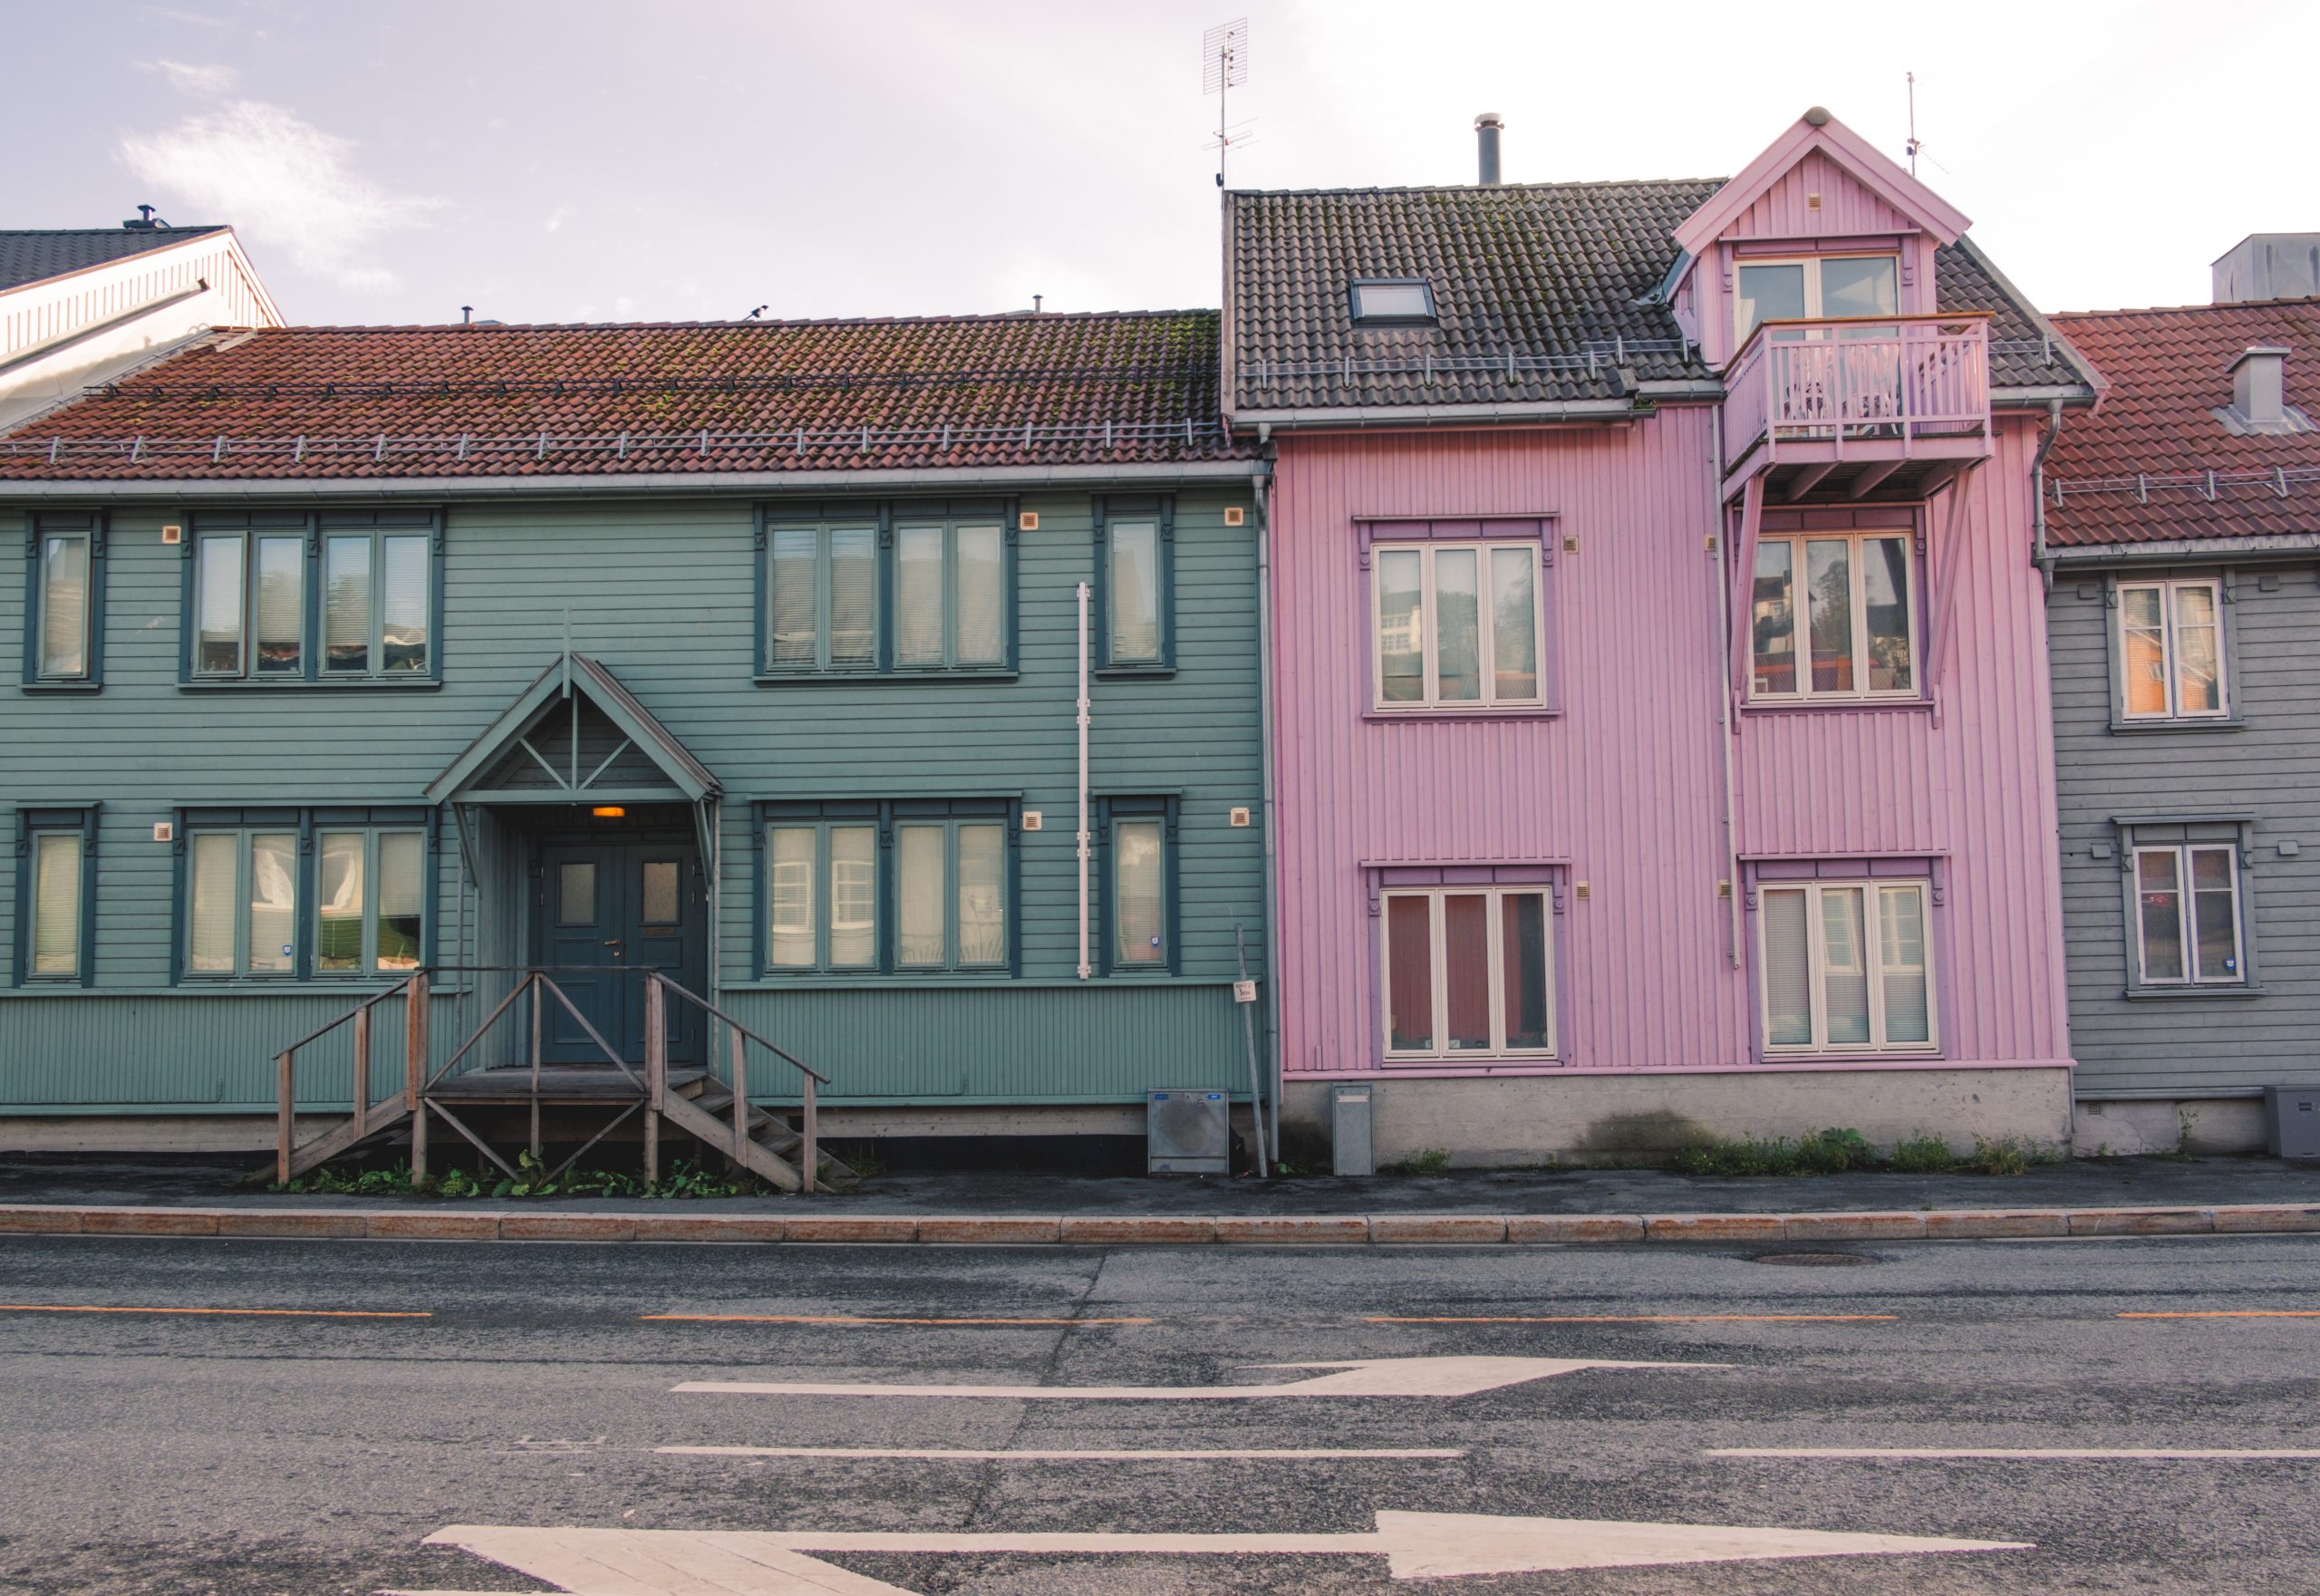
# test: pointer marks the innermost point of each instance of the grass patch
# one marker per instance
(1426, 1161)
(682, 1179)
(2010, 1155)
(1816, 1152)
(1922, 1155)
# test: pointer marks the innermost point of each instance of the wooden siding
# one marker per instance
(1627, 785)
(1784, 211)
(2268, 766)
(662, 591)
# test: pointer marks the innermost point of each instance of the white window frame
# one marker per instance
(2167, 588)
(1442, 1053)
(2186, 917)
(1801, 617)
(1812, 265)
(1873, 960)
(1433, 703)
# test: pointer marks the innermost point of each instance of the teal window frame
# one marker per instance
(1111, 513)
(314, 531)
(1110, 811)
(78, 822)
(89, 527)
(307, 825)
(367, 966)
(891, 518)
(889, 817)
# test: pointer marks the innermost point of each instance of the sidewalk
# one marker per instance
(2086, 1197)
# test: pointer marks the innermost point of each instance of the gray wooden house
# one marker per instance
(751, 654)
(2180, 525)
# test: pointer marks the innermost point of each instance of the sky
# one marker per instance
(684, 160)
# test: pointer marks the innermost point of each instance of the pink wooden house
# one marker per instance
(1660, 719)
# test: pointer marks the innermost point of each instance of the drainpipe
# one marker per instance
(1262, 483)
(2038, 555)
(1084, 969)
(1724, 667)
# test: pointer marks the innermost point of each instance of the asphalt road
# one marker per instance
(233, 1452)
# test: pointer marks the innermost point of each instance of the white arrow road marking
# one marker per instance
(1375, 1376)
(1415, 1545)
(1027, 1455)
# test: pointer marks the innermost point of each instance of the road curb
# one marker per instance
(1161, 1230)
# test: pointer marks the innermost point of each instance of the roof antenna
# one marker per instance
(1914, 145)
(1224, 66)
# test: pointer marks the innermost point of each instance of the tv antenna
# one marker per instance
(1914, 145)
(1224, 66)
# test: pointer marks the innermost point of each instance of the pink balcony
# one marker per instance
(1872, 408)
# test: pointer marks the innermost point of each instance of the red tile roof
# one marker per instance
(2136, 470)
(304, 402)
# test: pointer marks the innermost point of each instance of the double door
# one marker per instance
(604, 913)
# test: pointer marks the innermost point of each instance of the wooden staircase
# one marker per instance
(718, 1114)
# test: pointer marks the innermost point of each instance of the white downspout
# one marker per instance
(1724, 580)
(1084, 969)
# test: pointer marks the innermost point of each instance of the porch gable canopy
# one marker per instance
(575, 735)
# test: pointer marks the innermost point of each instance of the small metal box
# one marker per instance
(2292, 1114)
(1187, 1133)
(1349, 1146)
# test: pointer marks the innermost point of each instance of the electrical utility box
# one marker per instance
(1349, 1146)
(2293, 1113)
(1188, 1132)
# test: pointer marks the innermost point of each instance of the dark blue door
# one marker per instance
(606, 912)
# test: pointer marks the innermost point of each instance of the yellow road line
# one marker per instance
(2234, 1313)
(1634, 1319)
(246, 1312)
(843, 1319)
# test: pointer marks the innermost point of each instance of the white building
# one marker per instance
(81, 306)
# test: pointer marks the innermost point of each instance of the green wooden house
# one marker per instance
(751, 655)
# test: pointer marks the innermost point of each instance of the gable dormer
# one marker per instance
(1821, 224)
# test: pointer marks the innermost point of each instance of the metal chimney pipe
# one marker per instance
(1487, 128)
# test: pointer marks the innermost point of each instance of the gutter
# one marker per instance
(1418, 415)
(2284, 546)
(2039, 556)
(611, 485)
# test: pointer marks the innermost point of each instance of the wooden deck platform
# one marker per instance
(584, 1084)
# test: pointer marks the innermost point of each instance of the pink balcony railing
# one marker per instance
(1874, 386)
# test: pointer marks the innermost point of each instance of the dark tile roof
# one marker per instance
(705, 397)
(1562, 277)
(30, 256)
(2135, 471)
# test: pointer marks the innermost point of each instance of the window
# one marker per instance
(1393, 302)
(892, 589)
(2171, 650)
(1135, 582)
(55, 896)
(1859, 632)
(1457, 625)
(1815, 288)
(369, 889)
(294, 893)
(1846, 967)
(2188, 927)
(908, 885)
(343, 597)
(1136, 909)
(1469, 973)
(65, 602)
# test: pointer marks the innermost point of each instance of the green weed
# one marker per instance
(1426, 1161)
(1816, 1152)
(1922, 1155)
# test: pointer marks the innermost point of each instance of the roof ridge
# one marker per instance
(892, 321)
(111, 231)
(1476, 188)
(2170, 310)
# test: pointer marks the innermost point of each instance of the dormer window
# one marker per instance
(1820, 287)
(1393, 302)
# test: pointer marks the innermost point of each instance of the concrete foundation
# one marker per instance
(2122, 1129)
(1514, 1122)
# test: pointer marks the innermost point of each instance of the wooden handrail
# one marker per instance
(1757, 334)
(710, 1008)
(369, 1002)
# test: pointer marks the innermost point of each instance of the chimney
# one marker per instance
(2258, 388)
(2268, 265)
(1487, 128)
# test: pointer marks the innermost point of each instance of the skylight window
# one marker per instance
(1393, 302)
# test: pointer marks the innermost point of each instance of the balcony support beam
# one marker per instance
(1871, 476)
(1744, 581)
(1806, 480)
